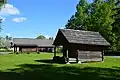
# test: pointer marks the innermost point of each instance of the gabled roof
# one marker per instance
(82, 37)
(32, 42)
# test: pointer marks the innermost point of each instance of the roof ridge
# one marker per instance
(80, 30)
(34, 39)
(23, 38)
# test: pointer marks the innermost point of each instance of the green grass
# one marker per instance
(39, 67)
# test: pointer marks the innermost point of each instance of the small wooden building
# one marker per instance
(81, 45)
(32, 45)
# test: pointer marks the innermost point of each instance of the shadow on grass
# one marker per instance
(45, 61)
(61, 62)
(49, 61)
(52, 72)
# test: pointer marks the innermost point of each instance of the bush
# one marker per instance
(38, 52)
(28, 52)
(5, 50)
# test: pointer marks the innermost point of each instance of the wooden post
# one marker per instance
(21, 49)
(14, 49)
(67, 54)
(77, 56)
(37, 50)
(55, 51)
(102, 55)
(63, 51)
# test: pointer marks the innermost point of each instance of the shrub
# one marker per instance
(38, 52)
(28, 53)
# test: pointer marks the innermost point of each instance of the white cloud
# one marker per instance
(9, 10)
(20, 19)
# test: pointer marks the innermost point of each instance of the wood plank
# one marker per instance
(90, 55)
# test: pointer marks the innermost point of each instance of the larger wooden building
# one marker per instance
(81, 45)
(32, 45)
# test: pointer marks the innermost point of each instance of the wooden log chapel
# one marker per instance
(81, 45)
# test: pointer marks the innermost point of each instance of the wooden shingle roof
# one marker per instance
(32, 42)
(82, 37)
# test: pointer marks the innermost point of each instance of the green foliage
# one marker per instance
(101, 16)
(116, 24)
(77, 21)
(41, 37)
(5, 50)
(4, 42)
(100, 20)
(2, 3)
(59, 49)
(51, 38)
(8, 38)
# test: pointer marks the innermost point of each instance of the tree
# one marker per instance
(78, 20)
(96, 16)
(51, 38)
(4, 43)
(2, 3)
(116, 24)
(8, 38)
(41, 37)
(100, 20)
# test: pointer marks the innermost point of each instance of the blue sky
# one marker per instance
(29, 18)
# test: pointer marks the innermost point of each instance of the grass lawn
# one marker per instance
(39, 67)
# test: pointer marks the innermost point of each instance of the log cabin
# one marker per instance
(31, 45)
(81, 45)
